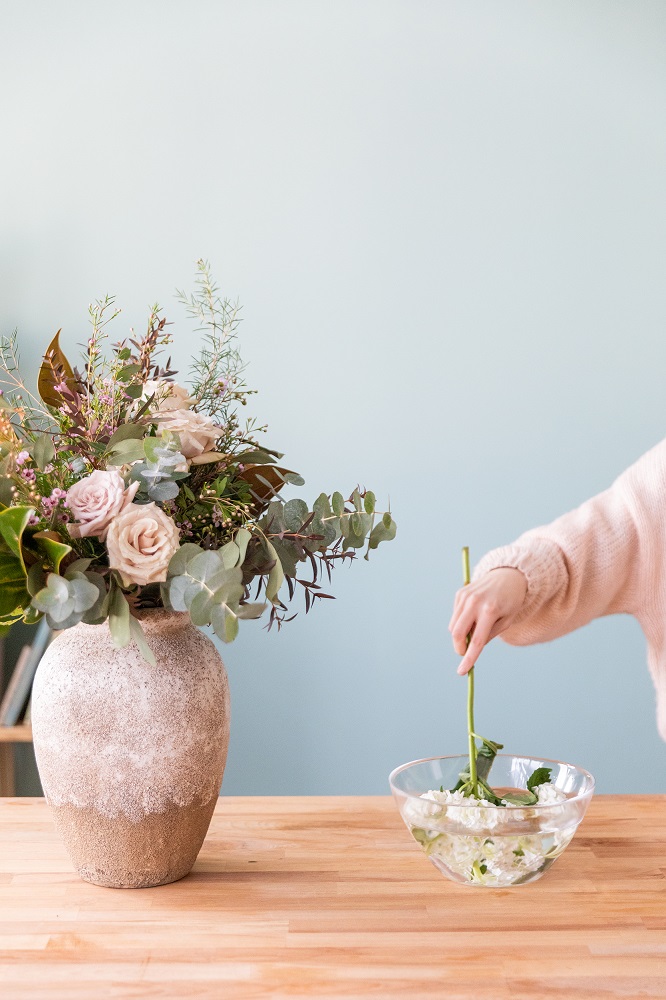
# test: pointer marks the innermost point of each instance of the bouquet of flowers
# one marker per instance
(122, 489)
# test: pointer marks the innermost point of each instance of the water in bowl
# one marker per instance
(493, 845)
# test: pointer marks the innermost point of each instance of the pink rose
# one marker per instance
(168, 395)
(94, 502)
(197, 433)
(141, 542)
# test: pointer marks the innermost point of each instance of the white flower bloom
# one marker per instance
(549, 793)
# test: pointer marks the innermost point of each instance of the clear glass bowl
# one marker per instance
(491, 845)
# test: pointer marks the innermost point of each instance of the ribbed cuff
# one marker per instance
(540, 561)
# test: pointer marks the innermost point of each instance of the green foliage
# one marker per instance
(209, 585)
(239, 535)
(64, 600)
(541, 776)
(158, 475)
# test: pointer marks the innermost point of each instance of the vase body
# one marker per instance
(131, 756)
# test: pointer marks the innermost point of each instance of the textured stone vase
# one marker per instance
(131, 757)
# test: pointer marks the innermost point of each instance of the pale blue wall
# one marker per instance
(446, 223)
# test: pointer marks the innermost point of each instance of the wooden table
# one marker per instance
(329, 897)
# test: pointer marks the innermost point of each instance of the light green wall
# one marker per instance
(446, 223)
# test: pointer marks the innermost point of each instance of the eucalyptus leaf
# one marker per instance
(181, 558)
(139, 638)
(241, 538)
(43, 451)
(225, 623)
(382, 533)
(295, 514)
(275, 576)
(125, 432)
(230, 555)
(125, 452)
(119, 619)
(248, 611)
(338, 504)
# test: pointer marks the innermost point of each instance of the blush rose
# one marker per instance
(95, 501)
(141, 542)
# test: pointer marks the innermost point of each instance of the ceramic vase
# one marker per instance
(131, 756)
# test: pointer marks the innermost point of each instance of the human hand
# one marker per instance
(485, 608)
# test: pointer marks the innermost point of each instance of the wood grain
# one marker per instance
(329, 897)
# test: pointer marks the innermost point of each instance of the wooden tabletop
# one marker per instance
(330, 897)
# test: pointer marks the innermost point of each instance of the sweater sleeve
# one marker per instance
(596, 560)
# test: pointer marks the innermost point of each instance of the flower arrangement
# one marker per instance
(122, 489)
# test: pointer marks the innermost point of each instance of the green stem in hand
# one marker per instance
(470, 693)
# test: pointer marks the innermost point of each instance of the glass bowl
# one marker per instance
(484, 844)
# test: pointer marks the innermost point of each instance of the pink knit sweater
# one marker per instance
(606, 557)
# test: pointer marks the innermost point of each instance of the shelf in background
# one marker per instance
(16, 734)
(9, 735)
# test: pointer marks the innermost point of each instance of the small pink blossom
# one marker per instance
(22, 457)
(29, 475)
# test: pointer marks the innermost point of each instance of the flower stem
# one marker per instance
(470, 692)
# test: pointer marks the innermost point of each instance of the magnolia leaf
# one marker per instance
(266, 481)
(126, 432)
(14, 597)
(43, 451)
(134, 391)
(36, 579)
(50, 545)
(6, 485)
(258, 457)
(139, 638)
(55, 370)
(13, 522)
